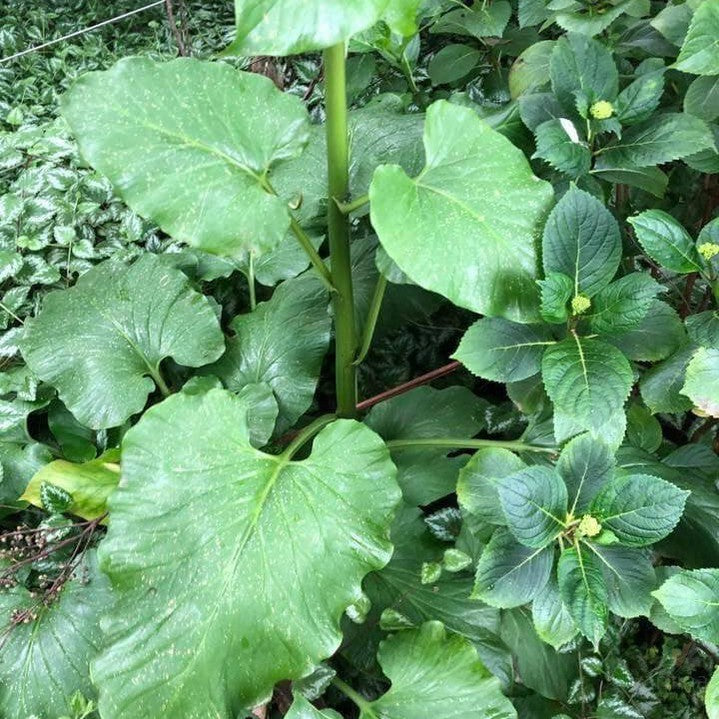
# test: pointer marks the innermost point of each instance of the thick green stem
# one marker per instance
(458, 443)
(339, 230)
(305, 435)
(347, 208)
(372, 316)
(363, 704)
(156, 375)
(251, 282)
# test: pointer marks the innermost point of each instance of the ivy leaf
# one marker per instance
(434, 674)
(551, 617)
(98, 341)
(582, 586)
(630, 579)
(585, 464)
(510, 574)
(48, 659)
(455, 208)
(281, 27)
(659, 139)
(582, 240)
(639, 509)
(477, 485)
(503, 351)
(561, 148)
(89, 484)
(262, 350)
(666, 241)
(188, 144)
(691, 598)
(235, 529)
(623, 304)
(534, 501)
(700, 50)
(587, 380)
(702, 380)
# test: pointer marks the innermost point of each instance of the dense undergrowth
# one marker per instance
(558, 527)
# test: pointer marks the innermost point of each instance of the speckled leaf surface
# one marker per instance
(702, 380)
(188, 143)
(98, 341)
(286, 27)
(265, 350)
(216, 549)
(454, 229)
(436, 675)
(43, 663)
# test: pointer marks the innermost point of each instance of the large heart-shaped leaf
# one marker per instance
(188, 144)
(287, 27)
(216, 549)
(454, 229)
(45, 661)
(98, 341)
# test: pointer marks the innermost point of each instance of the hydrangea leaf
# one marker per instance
(691, 598)
(551, 617)
(640, 98)
(582, 240)
(503, 351)
(658, 335)
(702, 380)
(188, 144)
(702, 98)
(47, 660)
(240, 533)
(436, 675)
(639, 509)
(288, 27)
(101, 341)
(559, 144)
(700, 49)
(456, 210)
(666, 241)
(661, 385)
(556, 290)
(585, 464)
(262, 350)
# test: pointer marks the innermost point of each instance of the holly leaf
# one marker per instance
(702, 380)
(582, 240)
(196, 493)
(455, 209)
(666, 241)
(47, 659)
(510, 574)
(99, 342)
(188, 144)
(587, 380)
(585, 464)
(582, 587)
(503, 351)
(262, 350)
(639, 509)
(700, 49)
(435, 674)
(281, 27)
(691, 598)
(534, 501)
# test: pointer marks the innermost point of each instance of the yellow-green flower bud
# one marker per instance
(589, 526)
(708, 250)
(580, 304)
(602, 110)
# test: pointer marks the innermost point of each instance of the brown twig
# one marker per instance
(179, 40)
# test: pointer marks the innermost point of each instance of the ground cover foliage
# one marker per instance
(406, 410)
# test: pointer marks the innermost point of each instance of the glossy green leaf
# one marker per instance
(530, 70)
(702, 380)
(666, 241)
(638, 100)
(246, 527)
(691, 598)
(481, 20)
(585, 464)
(435, 676)
(551, 617)
(46, 660)
(534, 502)
(630, 579)
(18, 464)
(284, 27)
(452, 63)
(262, 349)
(587, 380)
(582, 587)
(76, 441)
(455, 209)
(510, 574)
(89, 484)
(555, 290)
(700, 49)
(702, 98)
(101, 341)
(711, 699)
(703, 328)
(582, 240)
(661, 386)
(563, 150)
(643, 428)
(656, 337)
(302, 709)
(623, 304)
(649, 179)
(188, 144)
(503, 351)
(639, 509)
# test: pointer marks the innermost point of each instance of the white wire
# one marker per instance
(81, 32)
